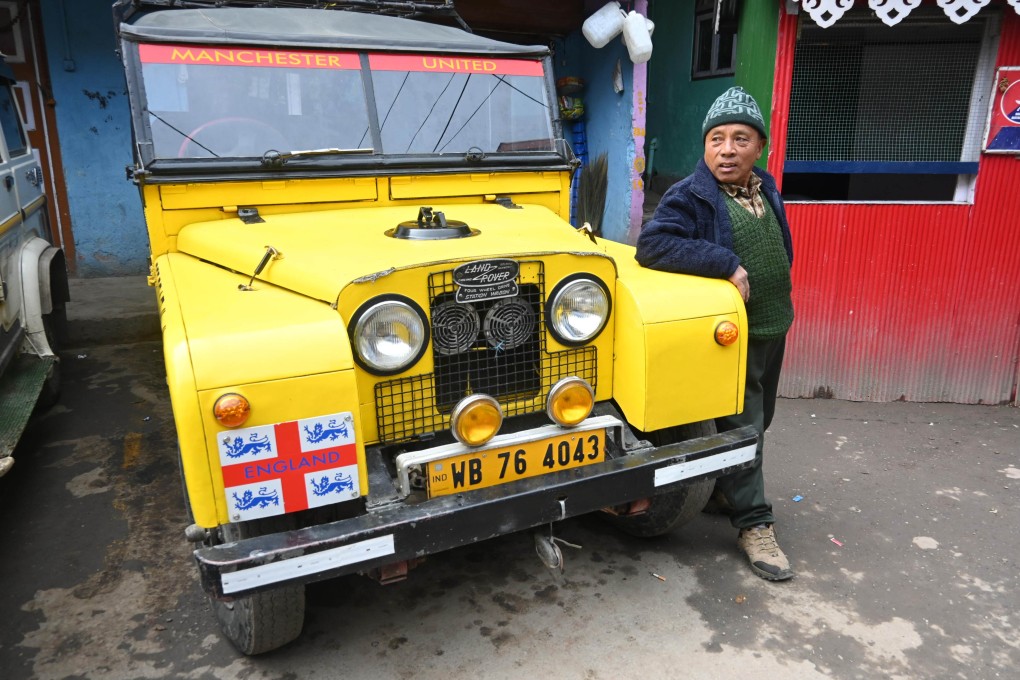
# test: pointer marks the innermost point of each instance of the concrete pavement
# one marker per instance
(900, 520)
(111, 310)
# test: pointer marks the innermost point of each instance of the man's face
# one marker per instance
(731, 151)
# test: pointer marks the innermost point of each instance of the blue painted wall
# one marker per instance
(608, 118)
(95, 138)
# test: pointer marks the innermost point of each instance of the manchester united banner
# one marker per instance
(223, 56)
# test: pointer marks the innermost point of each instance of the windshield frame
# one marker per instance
(559, 157)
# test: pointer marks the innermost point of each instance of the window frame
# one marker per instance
(713, 71)
(13, 124)
(965, 169)
(17, 56)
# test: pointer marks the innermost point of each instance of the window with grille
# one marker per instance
(880, 113)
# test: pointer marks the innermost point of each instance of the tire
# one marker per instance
(263, 621)
(669, 511)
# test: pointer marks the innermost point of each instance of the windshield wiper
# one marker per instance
(276, 159)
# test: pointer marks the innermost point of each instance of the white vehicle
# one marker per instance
(33, 280)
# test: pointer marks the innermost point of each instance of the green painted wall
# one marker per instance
(676, 104)
(757, 34)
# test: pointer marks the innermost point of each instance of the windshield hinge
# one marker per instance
(505, 201)
(249, 215)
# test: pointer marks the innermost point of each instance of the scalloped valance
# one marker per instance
(827, 12)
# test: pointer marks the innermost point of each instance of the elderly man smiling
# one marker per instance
(727, 221)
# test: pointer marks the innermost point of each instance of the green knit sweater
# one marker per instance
(758, 242)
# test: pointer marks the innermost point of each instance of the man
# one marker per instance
(727, 221)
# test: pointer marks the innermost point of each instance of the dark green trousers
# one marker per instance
(745, 490)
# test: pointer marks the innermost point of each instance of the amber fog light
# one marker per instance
(726, 333)
(476, 419)
(570, 401)
(232, 410)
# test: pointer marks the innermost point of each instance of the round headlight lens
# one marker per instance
(476, 419)
(570, 401)
(389, 336)
(579, 311)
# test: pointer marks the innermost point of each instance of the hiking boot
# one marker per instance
(763, 552)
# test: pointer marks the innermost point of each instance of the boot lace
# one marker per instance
(765, 537)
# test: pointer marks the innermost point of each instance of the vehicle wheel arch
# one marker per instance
(44, 290)
(671, 510)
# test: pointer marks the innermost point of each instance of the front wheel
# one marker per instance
(263, 621)
(671, 510)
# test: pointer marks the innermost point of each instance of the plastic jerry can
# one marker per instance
(604, 25)
(637, 38)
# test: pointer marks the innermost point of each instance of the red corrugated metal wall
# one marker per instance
(914, 301)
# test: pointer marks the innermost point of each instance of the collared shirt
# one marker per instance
(749, 197)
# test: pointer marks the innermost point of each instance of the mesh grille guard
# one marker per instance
(496, 347)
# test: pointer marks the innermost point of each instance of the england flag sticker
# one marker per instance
(291, 466)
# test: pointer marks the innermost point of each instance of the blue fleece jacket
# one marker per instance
(691, 233)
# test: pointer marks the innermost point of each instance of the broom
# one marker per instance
(591, 193)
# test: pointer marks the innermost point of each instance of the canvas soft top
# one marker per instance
(321, 28)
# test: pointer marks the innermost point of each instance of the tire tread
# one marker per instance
(266, 620)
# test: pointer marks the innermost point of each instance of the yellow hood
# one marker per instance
(321, 252)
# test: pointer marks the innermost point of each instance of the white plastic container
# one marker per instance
(604, 25)
(637, 38)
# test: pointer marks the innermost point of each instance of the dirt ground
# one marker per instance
(900, 520)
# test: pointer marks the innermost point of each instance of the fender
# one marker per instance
(53, 279)
(675, 371)
(33, 255)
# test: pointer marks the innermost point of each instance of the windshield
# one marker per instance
(204, 102)
(441, 104)
(212, 103)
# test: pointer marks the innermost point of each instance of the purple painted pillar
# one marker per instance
(637, 186)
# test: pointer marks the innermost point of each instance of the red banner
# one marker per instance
(218, 56)
(435, 63)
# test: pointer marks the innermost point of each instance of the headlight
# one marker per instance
(578, 309)
(570, 401)
(476, 419)
(389, 335)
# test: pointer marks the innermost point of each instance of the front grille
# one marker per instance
(496, 347)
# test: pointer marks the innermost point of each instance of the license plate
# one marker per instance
(479, 469)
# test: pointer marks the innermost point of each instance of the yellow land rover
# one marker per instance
(382, 337)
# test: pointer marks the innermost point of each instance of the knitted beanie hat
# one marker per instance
(734, 106)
